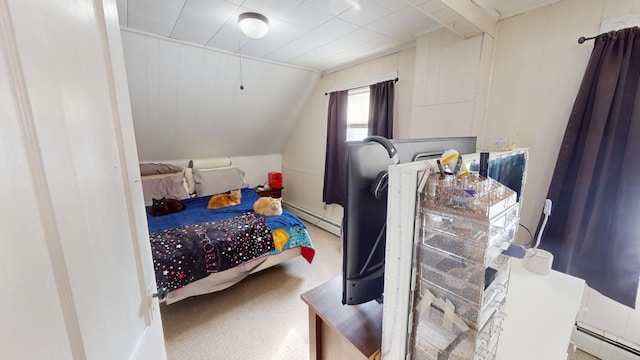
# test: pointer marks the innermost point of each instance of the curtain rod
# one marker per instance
(582, 39)
(394, 80)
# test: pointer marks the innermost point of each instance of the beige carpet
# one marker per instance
(262, 317)
(580, 355)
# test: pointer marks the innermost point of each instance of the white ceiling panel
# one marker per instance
(429, 6)
(413, 24)
(332, 7)
(201, 19)
(271, 8)
(364, 14)
(391, 5)
(322, 35)
(380, 44)
(305, 17)
(334, 29)
(358, 37)
(229, 38)
(317, 34)
(377, 45)
(324, 51)
(298, 47)
(150, 24)
(280, 34)
(154, 16)
(401, 24)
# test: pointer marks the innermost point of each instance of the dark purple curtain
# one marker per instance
(334, 176)
(381, 109)
(594, 228)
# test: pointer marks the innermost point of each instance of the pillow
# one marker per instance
(158, 186)
(210, 163)
(158, 168)
(185, 181)
(218, 180)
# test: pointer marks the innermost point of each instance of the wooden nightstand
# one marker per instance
(274, 193)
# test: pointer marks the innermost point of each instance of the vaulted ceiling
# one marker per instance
(316, 34)
(193, 96)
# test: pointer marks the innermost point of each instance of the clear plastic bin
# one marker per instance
(432, 341)
(464, 225)
(477, 241)
(472, 196)
(475, 314)
(462, 277)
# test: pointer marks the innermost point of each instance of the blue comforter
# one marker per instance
(197, 212)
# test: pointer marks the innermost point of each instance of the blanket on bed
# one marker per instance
(187, 253)
(197, 212)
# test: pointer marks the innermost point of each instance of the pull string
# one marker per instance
(240, 59)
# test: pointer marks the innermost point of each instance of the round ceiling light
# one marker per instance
(253, 25)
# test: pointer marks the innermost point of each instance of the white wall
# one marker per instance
(451, 79)
(304, 155)
(441, 92)
(256, 168)
(538, 66)
(75, 250)
(187, 103)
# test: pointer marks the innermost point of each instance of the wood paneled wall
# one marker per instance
(187, 103)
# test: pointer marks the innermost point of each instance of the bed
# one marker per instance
(198, 251)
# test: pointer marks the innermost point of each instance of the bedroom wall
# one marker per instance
(303, 157)
(452, 74)
(538, 67)
(441, 92)
(187, 103)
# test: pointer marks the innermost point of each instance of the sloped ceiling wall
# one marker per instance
(187, 103)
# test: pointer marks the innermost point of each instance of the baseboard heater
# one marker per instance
(607, 340)
(313, 218)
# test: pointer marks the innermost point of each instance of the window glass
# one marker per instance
(358, 114)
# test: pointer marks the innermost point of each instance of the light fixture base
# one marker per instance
(253, 25)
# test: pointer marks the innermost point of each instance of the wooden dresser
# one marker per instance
(342, 332)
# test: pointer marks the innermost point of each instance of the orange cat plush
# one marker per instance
(223, 200)
(268, 206)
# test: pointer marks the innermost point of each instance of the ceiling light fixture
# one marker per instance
(253, 25)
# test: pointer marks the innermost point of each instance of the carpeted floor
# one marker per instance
(580, 355)
(262, 317)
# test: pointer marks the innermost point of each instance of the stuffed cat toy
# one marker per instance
(166, 206)
(223, 200)
(268, 206)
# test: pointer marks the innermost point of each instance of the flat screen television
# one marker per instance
(365, 209)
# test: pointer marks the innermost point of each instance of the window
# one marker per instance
(358, 114)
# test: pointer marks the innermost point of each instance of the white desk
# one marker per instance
(541, 311)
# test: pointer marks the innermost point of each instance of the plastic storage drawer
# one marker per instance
(477, 241)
